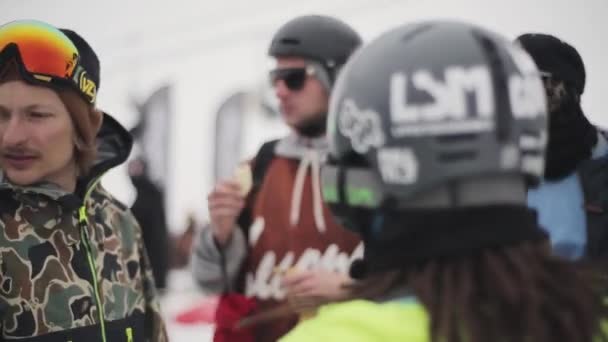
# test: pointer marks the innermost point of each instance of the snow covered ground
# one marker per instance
(182, 295)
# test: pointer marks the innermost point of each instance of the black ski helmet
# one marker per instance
(323, 39)
(427, 104)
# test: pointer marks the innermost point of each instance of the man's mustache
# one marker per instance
(19, 151)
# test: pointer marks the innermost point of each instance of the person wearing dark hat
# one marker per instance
(149, 210)
(74, 267)
(566, 199)
(280, 241)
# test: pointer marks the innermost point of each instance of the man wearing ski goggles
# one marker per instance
(67, 242)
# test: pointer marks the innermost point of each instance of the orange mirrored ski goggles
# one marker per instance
(44, 55)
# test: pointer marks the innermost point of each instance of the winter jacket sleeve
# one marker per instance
(207, 260)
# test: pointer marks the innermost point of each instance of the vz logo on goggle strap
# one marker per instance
(85, 84)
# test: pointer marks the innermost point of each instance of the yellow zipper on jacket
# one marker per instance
(83, 220)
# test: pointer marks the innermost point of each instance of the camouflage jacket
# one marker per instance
(72, 265)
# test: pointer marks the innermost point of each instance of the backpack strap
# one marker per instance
(261, 162)
(593, 175)
(260, 165)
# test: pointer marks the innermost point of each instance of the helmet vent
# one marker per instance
(290, 41)
(457, 156)
(416, 32)
(456, 138)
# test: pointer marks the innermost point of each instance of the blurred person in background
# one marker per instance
(280, 240)
(182, 243)
(443, 126)
(149, 210)
(74, 266)
(572, 199)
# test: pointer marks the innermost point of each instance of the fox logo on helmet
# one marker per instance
(363, 127)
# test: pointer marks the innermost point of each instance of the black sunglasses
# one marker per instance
(294, 78)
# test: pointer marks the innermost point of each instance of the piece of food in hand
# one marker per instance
(244, 177)
(282, 271)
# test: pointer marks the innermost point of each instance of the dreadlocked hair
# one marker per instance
(513, 293)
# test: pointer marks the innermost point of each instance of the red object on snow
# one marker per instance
(231, 309)
(202, 312)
